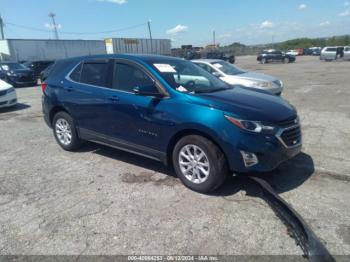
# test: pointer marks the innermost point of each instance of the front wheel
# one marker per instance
(65, 131)
(263, 60)
(199, 163)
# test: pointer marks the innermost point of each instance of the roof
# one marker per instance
(135, 57)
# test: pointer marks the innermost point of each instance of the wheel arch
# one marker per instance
(55, 110)
(186, 132)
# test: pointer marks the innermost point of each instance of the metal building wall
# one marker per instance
(27, 50)
(141, 46)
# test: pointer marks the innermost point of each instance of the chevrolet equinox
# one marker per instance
(170, 110)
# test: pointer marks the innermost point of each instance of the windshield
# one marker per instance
(186, 77)
(12, 66)
(227, 68)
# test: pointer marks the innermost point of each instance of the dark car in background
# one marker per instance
(219, 55)
(268, 56)
(45, 73)
(17, 74)
(170, 110)
(38, 66)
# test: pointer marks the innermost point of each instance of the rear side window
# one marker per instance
(127, 77)
(75, 75)
(95, 73)
(331, 49)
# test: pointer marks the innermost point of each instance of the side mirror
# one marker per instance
(217, 74)
(148, 90)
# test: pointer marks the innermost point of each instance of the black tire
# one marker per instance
(264, 61)
(218, 165)
(286, 60)
(75, 142)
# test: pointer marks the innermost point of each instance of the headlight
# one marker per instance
(251, 126)
(10, 90)
(11, 74)
(261, 84)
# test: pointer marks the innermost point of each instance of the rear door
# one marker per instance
(86, 95)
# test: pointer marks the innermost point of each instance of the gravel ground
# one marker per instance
(104, 201)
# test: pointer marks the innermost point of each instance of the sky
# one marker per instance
(182, 21)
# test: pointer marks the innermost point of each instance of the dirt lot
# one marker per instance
(104, 201)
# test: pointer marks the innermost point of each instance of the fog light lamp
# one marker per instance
(250, 159)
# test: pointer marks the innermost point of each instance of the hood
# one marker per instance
(249, 105)
(257, 76)
(22, 71)
(4, 85)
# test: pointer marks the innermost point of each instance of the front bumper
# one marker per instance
(8, 100)
(268, 149)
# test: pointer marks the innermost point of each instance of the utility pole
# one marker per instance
(150, 34)
(52, 15)
(149, 29)
(2, 28)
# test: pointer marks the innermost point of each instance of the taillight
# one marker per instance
(43, 86)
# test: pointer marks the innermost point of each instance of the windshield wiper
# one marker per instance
(213, 90)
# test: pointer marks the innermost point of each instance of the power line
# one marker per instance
(77, 33)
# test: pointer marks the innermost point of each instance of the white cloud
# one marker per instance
(225, 35)
(346, 3)
(118, 2)
(267, 24)
(302, 6)
(51, 26)
(325, 23)
(177, 29)
(345, 13)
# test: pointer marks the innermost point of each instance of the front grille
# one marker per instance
(288, 122)
(3, 92)
(291, 136)
(27, 78)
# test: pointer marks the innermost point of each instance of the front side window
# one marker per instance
(227, 68)
(186, 77)
(95, 73)
(331, 50)
(127, 77)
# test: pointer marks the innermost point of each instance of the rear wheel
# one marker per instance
(199, 163)
(263, 60)
(286, 60)
(65, 131)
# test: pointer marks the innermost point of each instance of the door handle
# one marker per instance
(113, 98)
(68, 89)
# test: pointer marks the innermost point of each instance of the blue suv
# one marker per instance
(172, 111)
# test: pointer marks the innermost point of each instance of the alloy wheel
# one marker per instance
(63, 131)
(194, 164)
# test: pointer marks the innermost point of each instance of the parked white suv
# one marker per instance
(8, 95)
(329, 53)
(233, 75)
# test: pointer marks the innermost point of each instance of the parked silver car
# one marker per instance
(347, 52)
(329, 53)
(233, 75)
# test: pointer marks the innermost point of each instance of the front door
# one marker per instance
(137, 119)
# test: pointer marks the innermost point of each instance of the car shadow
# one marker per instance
(288, 176)
(127, 157)
(17, 107)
